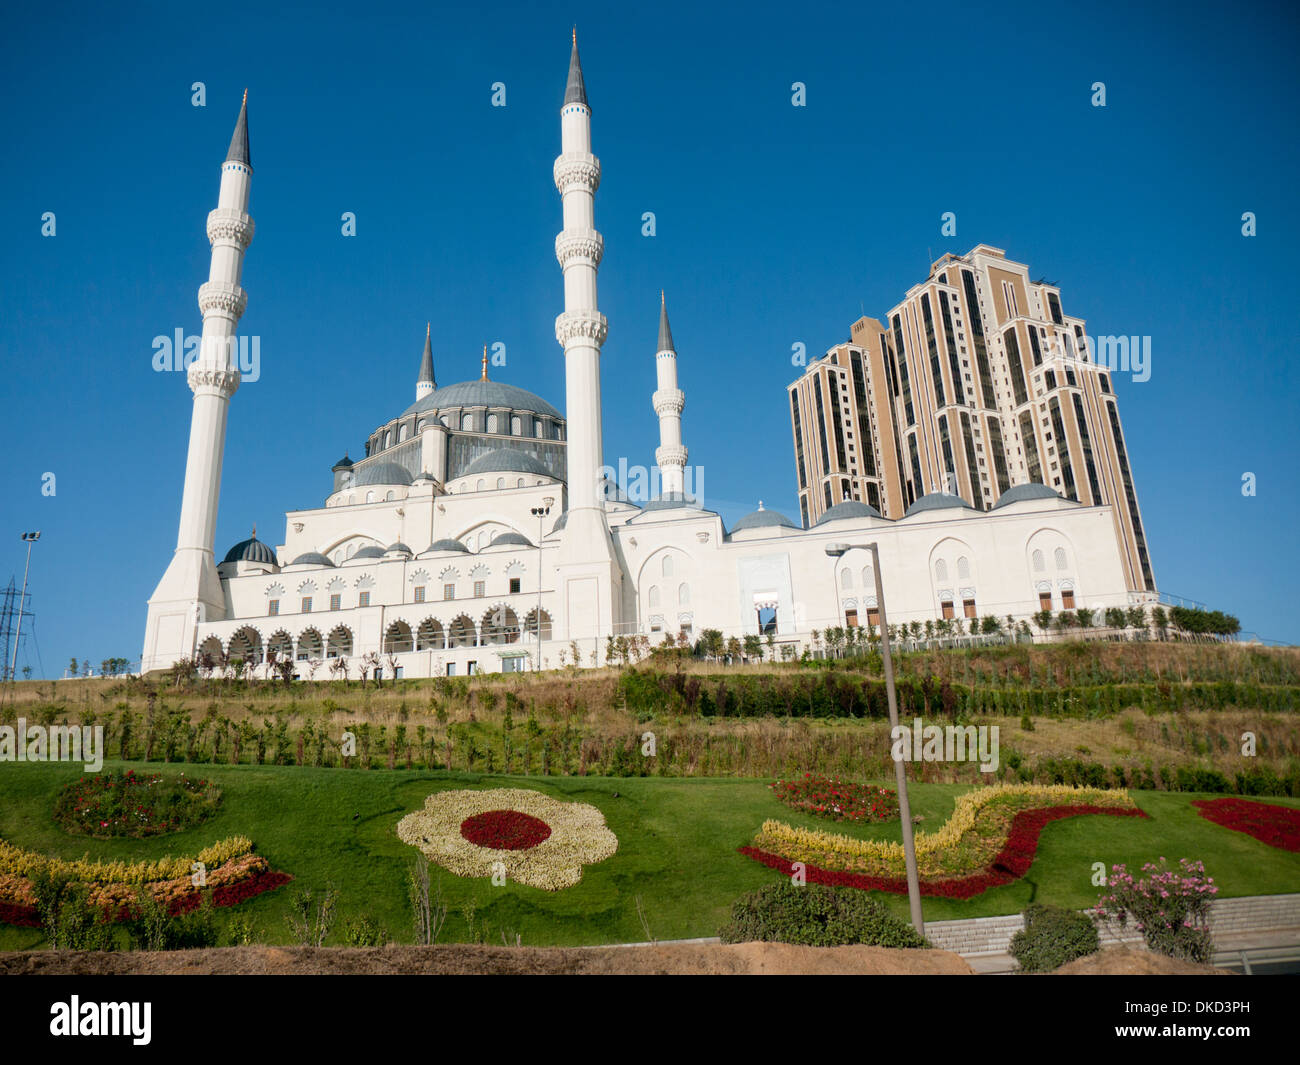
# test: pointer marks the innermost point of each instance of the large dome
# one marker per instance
(483, 394)
(250, 550)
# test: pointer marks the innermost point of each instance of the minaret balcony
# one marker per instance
(587, 325)
(587, 248)
(221, 296)
(229, 226)
(577, 170)
(669, 401)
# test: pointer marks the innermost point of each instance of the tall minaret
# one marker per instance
(669, 401)
(589, 574)
(425, 383)
(190, 591)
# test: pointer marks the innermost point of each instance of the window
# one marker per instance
(306, 604)
(519, 483)
(501, 483)
(1054, 302)
(1060, 558)
(419, 593)
(684, 595)
(512, 665)
(668, 566)
(480, 589)
(946, 608)
(537, 427)
(1067, 598)
(1016, 366)
(471, 668)
(963, 568)
(273, 607)
(798, 441)
(1044, 600)
(851, 618)
(449, 591)
(451, 669)
(1063, 449)
(516, 426)
(1030, 441)
(492, 423)
(873, 616)
(846, 579)
(941, 570)
(480, 485)
(654, 597)
(514, 585)
(466, 422)
(363, 599)
(1037, 558)
(968, 607)
(1085, 441)
(336, 601)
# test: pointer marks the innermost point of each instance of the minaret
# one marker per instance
(590, 578)
(425, 383)
(669, 401)
(190, 591)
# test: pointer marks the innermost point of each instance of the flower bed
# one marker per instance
(1011, 862)
(24, 863)
(537, 840)
(117, 803)
(838, 800)
(1278, 826)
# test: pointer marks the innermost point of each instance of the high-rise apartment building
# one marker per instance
(977, 381)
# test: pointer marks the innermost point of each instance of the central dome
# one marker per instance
(483, 394)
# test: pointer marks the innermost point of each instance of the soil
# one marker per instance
(667, 959)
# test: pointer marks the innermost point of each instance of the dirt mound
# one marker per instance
(665, 959)
(1128, 961)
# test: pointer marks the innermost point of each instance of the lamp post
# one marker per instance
(29, 538)
(900, 775)
(540, 514)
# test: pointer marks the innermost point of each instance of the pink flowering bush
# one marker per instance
(1170, 907)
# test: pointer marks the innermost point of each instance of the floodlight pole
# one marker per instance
(541, 513)
(900, 774)
(29, 538)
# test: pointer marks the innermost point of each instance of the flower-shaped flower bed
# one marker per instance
(539, 841)
(1278, 826)
(117, 803)
(990, 840)
(838, 800)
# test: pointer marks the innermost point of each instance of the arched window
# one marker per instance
(868, 578)
(1037, 559)
(402, 433)
(1060, 558)
(684, 595)
(516, 426)
(467, 422)
(537, 427)
(391, 496)
(941, 570)
(482, 539)
(388, 438)
(501, 482)
(668, 565)
(654, 597)
(846, 579)
(963, 568)
(481, 485)
(519, 483)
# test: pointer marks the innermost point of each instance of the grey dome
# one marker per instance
(506, 460)
(670, 501)
(764, 519)
(560, 522)
(446, 545)
(399, 546)
(250, 550)
(936, 501)
(312, 558)
(850, 508)
(515, 538)
(483, 394)
(1020, 492)
(368, 552)
(380, 473)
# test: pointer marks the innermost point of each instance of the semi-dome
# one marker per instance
(1020, 492)
(312, 558)
(508, 538)
(850, 508)
(250, 550)
(446, 545)
(380, 473)
(483, 394)
(936, 501)
(369, 551)
(506, 460)
(763, 519)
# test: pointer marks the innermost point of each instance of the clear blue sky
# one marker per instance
(776, 225)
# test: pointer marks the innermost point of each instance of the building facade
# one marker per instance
(976, 382)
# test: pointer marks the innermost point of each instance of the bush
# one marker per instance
(363, 932)
(1051, 937)
(1171, 907)
(816, 916)
(124, 803)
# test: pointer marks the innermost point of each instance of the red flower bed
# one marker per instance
(1278, 826)
(1011, 863)
(838, 800)
(505, 830)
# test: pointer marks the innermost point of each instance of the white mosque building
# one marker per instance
(479, 519)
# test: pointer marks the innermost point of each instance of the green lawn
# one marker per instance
(677, 849)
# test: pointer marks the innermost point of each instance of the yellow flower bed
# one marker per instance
(25, 864)
(935, 851)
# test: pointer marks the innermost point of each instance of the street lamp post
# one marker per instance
(900, 775)
(540, 514)
(29, 538)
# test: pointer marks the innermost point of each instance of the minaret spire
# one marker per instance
(575, 92)
(669, 402)
(190, 592)
(426, 383)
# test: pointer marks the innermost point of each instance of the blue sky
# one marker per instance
(775, 225)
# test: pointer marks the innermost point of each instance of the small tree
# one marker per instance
(1136, 618)
(990, 625)
(1084, 617)
(771, 646)
(1161, 621)
(753, 645)
(1115, 617)
(310, 925)
(1066, 620)
(1043, 619)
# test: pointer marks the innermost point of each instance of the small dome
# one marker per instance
(312, 558)
(250, 550)
(344, 463)
(850, 508)
(446, 545)
(398, 548)
(764, 519)
(1020, 492)
(509, 538)
(368, 552)
(505, 460)
(937, 501)
(380, 473)
(671, 501)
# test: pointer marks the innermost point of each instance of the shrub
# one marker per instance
(816, 916)
(838, 800)
(1051, 937)
(118, 803)
(363, 932)
(1170, 907)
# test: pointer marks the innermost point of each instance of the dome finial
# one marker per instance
(575, 37)
(485, 376)
(254, 523)
(760, 504)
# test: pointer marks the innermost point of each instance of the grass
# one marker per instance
(677, 850)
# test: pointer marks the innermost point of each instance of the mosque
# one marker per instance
(479, 533)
